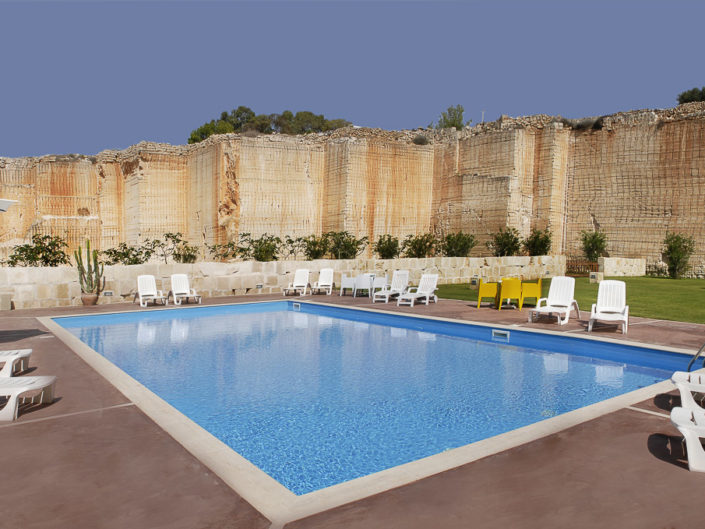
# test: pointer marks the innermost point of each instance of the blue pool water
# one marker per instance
(322, 395)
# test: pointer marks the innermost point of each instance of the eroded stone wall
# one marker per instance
(635, 175)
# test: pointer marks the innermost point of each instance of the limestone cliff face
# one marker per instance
(635, 175)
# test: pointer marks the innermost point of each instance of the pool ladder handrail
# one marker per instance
(695, 357)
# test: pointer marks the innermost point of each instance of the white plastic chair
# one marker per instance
(14, 387)
(400, 282)
(147, 291)
(559, 301)
(14, 358)
(364, 282)
(611, 304)
(181, 290)
(424, 292)
(346, 283)
(691, 423)
(325, 282)
(300, 283)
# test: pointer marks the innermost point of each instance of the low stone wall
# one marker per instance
(619, 266)
(53, 287)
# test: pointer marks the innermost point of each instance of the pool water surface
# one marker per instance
(318, 396)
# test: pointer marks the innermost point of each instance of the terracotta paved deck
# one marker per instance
(93, 459)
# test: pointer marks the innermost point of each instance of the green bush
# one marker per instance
(45, 250)
(264, 248)
(677, 251)
(126, 254)
(457, 244)
(419, 245)
(387, 247)
(504, 242)
(221, 252)
(343, 245)
(293, 247)
(315, 247)
(184, 253)
(420, 139)
(538, 243)
(594, 244)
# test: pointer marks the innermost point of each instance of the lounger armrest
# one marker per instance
(415, 289)
(541, 300)
(593, 310)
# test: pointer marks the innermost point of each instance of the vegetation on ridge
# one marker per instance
(243, 119)
(692, 95)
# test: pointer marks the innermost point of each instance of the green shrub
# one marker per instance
(419, 245)
(221, 252)
(45, 250)
(594, 244)
(420, 139)
(184, 253)
(387, 247)
(457, 244)
(343, 245)
(126, 254)
(538, 243)
(677, 251)
(264, 248)
(293, 247)
(504, 242)
(315, 247)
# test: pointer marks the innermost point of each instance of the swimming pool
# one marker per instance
(316, 395)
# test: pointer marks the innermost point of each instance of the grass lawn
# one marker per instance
(648, 297)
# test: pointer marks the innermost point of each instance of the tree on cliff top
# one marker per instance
(451, 118)
(243, 119)
(689, 96)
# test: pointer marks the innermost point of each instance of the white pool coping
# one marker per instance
(279, 504)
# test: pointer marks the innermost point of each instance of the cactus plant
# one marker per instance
(90, 275)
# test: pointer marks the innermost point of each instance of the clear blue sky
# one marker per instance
(87, 76)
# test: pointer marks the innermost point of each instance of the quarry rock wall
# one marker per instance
(635, 175)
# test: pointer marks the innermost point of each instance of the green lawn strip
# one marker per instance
(647, 297)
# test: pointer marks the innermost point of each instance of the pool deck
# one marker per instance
(93, 459)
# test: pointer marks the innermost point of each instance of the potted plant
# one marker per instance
(90, 276)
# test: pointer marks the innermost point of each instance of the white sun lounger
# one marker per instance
(691, 423)
(300, 283)
(559, 301)
(181, 290)
(147, 291)
(400, 282)
(325, 281)
(690, 386)
(611, 304)
(14, 387)
(14, 358)
(424, 292)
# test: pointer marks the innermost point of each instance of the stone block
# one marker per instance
(596, 277)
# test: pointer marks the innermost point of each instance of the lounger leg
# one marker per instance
(9, 412)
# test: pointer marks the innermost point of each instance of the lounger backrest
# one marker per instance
(180, 284)
(300, 278)
(146, 285)
(561, 291)
(400, 280)
(611, 296)
(428, 283)
(379, 282)
(325, 278)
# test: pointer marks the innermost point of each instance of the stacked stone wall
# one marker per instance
(55, 287)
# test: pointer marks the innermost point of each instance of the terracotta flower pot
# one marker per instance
(89, 299)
